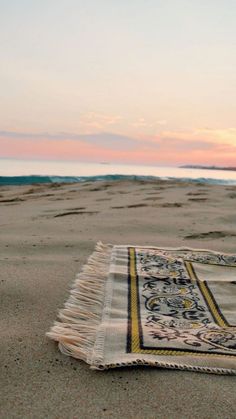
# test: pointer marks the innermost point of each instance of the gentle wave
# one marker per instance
(33, 179)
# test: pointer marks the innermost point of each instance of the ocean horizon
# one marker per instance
(16, 172)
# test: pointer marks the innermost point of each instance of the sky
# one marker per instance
(128, 81)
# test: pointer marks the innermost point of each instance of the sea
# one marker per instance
(26, 172)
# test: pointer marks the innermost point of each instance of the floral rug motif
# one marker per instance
(169, 308)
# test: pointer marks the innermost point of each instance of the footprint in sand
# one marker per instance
(101, 188)
(231, 188)
(9, 200)
(153, 198)
(203, 185)
(76, 209)
(130, 206)
(154, 189)
(64, 214)
(33, 190)
(45, 195)
(171, 205)
(196, 193)
(198, 199)
(231, 195)
(211, 235)
(137, 205)
(55, 185)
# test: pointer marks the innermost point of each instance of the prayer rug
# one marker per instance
(163, 307)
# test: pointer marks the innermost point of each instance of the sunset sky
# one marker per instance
(124, 81)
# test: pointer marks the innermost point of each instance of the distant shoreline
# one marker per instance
(189, 166)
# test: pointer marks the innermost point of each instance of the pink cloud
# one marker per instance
(165, 149)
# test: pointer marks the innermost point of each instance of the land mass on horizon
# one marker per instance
(198, 166)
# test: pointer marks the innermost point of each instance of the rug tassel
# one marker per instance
(79, 319)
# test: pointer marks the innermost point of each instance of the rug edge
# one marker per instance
(77, 324)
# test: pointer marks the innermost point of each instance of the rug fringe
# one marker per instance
(79, 319)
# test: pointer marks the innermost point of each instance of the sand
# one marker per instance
(47, 233)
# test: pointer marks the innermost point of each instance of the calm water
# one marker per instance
(78, 171)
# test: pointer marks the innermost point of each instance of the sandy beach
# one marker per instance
(47, 233)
